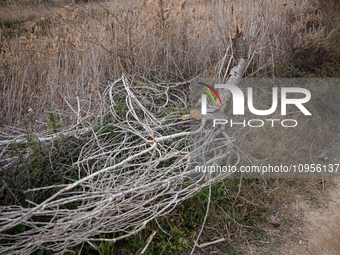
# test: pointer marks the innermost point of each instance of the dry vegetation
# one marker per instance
(78, 80)
(74, 52)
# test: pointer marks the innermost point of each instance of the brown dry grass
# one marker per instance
(64, 51)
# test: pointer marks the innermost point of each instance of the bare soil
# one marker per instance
(318, 228)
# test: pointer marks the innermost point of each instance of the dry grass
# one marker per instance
(75, 49)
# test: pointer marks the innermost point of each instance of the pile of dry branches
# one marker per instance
(135, 168)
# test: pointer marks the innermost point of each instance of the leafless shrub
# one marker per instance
(125, 180)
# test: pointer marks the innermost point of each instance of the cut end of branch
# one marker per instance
(196, 114)
(186, 117)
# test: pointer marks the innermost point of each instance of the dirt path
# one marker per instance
(319, 233)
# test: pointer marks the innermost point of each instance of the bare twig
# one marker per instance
(148, 242)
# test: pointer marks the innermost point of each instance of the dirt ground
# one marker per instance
(318, 228)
